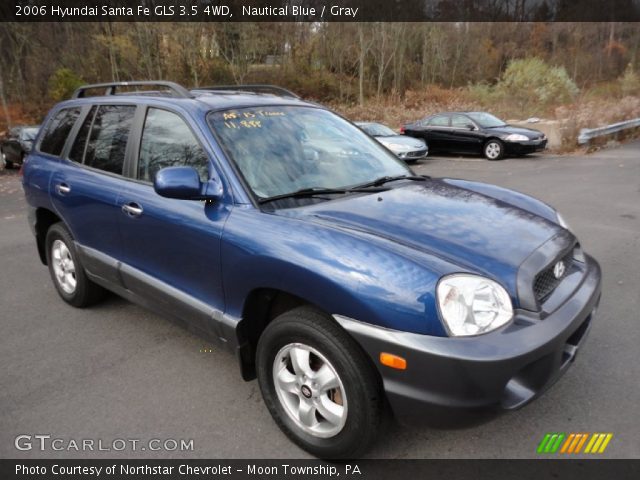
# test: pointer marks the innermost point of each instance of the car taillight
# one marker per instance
(402, 130)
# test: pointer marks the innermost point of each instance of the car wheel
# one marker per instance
(7, 164)
(318, 385)
(66, 270)
(494, 150)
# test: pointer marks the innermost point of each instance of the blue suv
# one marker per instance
(347, 284)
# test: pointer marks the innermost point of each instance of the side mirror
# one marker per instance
(470, 126)
(184, 183)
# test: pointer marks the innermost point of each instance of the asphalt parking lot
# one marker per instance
(116, 371)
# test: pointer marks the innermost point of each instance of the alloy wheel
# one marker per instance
(310, 390)
(493, 150)
(63, 266)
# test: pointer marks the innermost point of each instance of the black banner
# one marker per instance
(316, 469)
(319, 10)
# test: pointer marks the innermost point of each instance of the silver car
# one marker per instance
(407, 148)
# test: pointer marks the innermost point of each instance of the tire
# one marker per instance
(493, 150)
(66, 270)
(355, 405)
(7, 163)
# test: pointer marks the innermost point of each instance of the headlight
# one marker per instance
(516, 137)
(396, 146)
(472, 305)
(562, 222)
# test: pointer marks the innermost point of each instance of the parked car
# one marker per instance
(408, 149)
(344, 283)
(475, 133)
(17, 145)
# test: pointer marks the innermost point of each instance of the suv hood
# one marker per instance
(466, 228)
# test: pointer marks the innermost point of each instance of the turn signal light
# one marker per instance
(393, 361)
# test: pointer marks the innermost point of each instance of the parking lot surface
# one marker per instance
(117, 371)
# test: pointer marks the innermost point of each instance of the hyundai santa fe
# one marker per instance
(347, 284)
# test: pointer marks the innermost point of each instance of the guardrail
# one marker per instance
(588, 134)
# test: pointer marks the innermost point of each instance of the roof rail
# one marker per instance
(250, 88)
(110, 88)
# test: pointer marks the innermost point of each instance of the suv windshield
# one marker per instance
(486, 120)
(280, 150)
(377, 130)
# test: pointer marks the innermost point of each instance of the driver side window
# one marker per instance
(460, 121)
(167, 141)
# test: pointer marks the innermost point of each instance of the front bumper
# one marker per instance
(412, 154)
(523, 148)
(506, 368)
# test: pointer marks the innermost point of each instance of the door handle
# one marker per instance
(132, 209)
(63, 188)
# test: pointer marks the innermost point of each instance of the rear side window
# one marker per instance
(58, 131)
(77, 150)
(168, 141)
(439, 121)
(107, 142)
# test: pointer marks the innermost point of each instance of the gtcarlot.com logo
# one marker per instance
(46, 442)
(574, 443)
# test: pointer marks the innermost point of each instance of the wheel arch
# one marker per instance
(261, 307)
(44, 218)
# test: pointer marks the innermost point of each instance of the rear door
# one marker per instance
(86, 185)
(438, 133)
(171, 246)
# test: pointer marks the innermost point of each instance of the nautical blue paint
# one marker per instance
(375, 257)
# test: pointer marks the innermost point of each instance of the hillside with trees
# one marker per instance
(393, 72)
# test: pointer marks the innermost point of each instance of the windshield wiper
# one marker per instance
(386, 179)
(310, 192)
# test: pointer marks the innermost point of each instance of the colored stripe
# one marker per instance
(555, 447)
(543, 443)
(547, 449)
(598, 442)
(567, 443)
(591, 442)
(574, 443)
(605, 443)
(584, 439)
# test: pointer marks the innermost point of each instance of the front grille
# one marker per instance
(546, 281)
(417, 154)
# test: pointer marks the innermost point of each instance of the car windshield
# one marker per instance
(486, 120)
(281, 150)
(28, 134)
(377, 130)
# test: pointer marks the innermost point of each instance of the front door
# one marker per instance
(172, 247)
(464, 135)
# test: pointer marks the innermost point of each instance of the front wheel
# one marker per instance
(493, 150)
(7, 163)
(318, 385)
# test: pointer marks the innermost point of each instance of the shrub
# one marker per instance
(532, 82)
(63, 83)
(630, 81)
